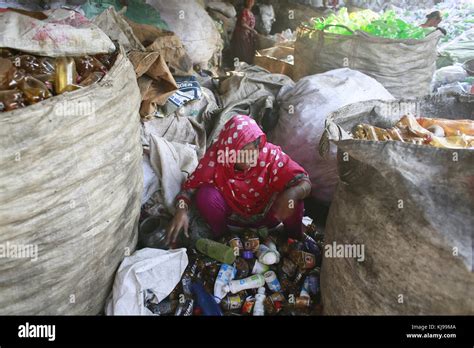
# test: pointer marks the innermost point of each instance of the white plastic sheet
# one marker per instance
(156, 270)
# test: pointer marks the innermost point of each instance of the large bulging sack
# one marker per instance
(70, 188)
(303, 111)
(410, 208)
(195, 28)
(404, 67)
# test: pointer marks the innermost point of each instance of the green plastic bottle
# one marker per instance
(217, 251)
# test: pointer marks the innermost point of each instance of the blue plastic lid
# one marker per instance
(247, 254)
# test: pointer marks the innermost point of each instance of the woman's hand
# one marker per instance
(285, 204)
(180, 222)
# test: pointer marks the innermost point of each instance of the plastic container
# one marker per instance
(225, 275)
(217, 251)
(267, 256)
(205, 300)
(272, 281)
(257, 267)
(252, 282)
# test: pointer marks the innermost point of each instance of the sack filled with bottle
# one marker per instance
(27, 79)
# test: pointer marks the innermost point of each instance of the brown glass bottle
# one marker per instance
(7, 70)
(87, 65)
(34, 90)
(11, 100)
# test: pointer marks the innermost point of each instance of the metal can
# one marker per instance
(248, 305)
(236, 244)
(288, 267)
(232, 302)
(302, 302)
(303, 259)
(251, 241)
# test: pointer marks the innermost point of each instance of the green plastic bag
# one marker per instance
(137, 11)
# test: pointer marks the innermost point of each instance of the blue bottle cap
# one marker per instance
(247, 255)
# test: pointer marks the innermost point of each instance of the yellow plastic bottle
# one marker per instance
(66, 75)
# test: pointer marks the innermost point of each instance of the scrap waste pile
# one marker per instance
(255, 274)
(184, 92)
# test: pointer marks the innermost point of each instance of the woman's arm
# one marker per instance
(285, 202)
(248, 28)
(180, 222)
(301, 190)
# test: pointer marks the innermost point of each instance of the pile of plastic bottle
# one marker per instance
(26, 79)
(252, 273)
(457, 17)
(386, 25)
